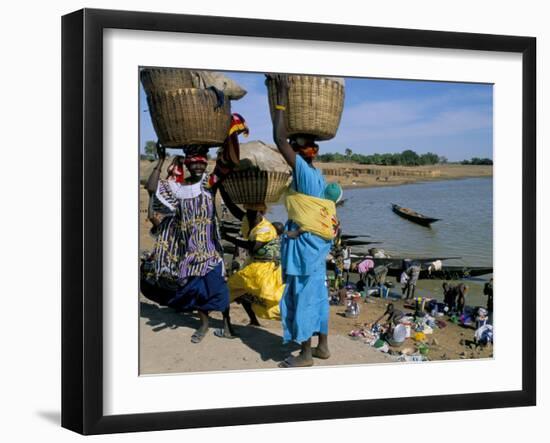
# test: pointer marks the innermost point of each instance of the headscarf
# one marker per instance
(238, 125)
(309, 151)
(195, 154)
(305, 148)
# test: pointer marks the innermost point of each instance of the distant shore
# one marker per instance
(354, 175)
(350, 175)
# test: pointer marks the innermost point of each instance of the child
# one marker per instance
(176, 170)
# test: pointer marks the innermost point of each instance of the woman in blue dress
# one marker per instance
(304, 305)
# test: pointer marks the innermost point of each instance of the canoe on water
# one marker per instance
(413, 216)
(360, 242)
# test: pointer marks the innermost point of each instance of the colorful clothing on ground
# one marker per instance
(187, 256)
(261, 281)
(304, 306)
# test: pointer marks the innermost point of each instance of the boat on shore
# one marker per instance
(413, 216)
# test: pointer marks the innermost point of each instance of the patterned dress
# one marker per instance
(185, 270)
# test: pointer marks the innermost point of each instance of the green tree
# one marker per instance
(151, 149)
(348, 152)
(409, 158)
(429, 159)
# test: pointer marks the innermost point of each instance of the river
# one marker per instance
(464, 206)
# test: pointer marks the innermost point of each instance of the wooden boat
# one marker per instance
(360, 242)
(413, 216)
(349, 236)
(447, 272)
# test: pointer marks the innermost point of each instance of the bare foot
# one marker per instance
(296, 362)
(321, 353)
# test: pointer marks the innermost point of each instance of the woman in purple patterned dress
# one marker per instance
(185, 270)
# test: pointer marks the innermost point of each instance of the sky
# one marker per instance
(454, 120)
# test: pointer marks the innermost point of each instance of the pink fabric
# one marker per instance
(365, 265)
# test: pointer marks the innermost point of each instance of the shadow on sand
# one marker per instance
(268, 345)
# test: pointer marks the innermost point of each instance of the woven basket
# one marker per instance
(255, 186)
(157, 80)
(187, 117)
(314, 107)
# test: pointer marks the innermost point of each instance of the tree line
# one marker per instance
(406, 158)
(477, 161)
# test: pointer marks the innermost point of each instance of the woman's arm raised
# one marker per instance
(280, 135)
(153, 180)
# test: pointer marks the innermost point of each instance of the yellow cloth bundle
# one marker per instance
(312, 214)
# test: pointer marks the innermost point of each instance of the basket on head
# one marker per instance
(188, 117)
(156, 80)
(315, 105)
(253, 186)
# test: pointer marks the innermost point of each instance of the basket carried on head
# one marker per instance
(156, 80)
(254, 186)
(189, 117)
(315, 105)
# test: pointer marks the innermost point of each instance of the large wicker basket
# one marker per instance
(315, 105)
(188, 117)
(254, 186)
(156, 80)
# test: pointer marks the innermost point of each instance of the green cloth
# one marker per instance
(334, 192)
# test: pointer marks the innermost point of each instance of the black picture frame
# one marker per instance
(82, 218)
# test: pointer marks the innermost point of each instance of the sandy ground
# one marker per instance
(165, 345)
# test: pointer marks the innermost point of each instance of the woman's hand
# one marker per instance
(280, 134)
(281, 86)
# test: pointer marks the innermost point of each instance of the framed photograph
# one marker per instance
(269, 221)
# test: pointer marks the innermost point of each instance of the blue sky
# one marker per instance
(454, 120)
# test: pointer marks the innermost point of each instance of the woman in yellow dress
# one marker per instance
(259, 285)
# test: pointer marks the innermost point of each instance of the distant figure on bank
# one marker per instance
(449, 296)
(380, 273)
(462, 290)
(455, 297)
(346, 262)
(413, 272)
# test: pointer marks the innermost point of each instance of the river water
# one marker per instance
(464, 206)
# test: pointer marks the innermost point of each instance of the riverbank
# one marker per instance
(353, 175)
